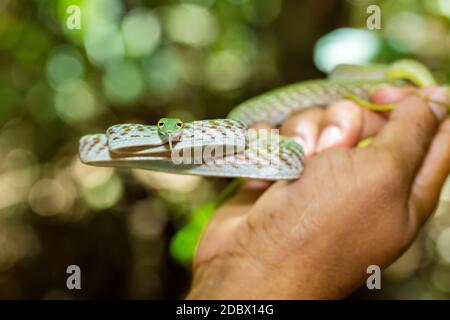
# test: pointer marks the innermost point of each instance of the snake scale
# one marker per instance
(226, 147)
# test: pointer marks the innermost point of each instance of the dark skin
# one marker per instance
(314, 238)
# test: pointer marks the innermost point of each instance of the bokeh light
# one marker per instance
(439, 7)
(104, 43)
(399, 32)
(164, 72)
(47, 197)
(346, 45)
(443, 245)
(261, 11)
(147, 220)
(101, 187)
(141, 32)
(167, 181)
(226, 71)
(103, 195)
(65, 64)
(75, 102)
(122, 82)
(191, 24)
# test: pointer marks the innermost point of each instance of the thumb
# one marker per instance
(411, 127)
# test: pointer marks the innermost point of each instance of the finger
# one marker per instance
(345, 123)
(240, 203)
(433, 173)
(388, 94)
(410, 130)
(373, 122)
(304, 127)
(262, 126)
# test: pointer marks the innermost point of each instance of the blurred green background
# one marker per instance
(136, 61)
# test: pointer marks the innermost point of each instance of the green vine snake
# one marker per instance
(226, 147)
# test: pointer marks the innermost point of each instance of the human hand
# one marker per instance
(315, 237)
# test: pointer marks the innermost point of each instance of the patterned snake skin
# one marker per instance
(224, 147)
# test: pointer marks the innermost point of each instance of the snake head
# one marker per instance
(170, 128)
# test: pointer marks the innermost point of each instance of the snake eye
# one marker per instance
(179, 125)
(160, 124)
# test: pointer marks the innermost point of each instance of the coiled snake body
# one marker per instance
(225, 147)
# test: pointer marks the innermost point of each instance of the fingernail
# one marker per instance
(438, 97)
(329, 137)
(384, 94)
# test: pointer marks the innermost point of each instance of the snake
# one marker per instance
(229, 147)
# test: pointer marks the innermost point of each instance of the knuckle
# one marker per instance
(420, 134)
(344, 108)
(390, 178)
